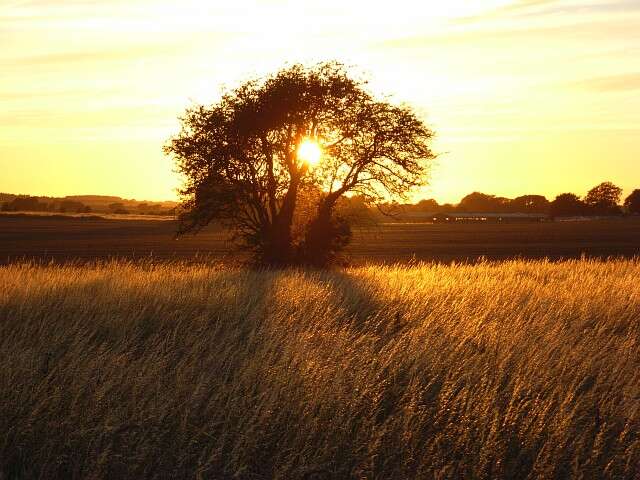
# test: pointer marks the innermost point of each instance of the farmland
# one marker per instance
(77, 238)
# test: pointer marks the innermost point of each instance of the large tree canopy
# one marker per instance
(241, 166)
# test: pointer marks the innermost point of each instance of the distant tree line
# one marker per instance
(25, 203)
(35, 204)
(604, 199)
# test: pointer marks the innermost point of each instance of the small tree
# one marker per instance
(632, 202)
(603, 199)
(240, 159)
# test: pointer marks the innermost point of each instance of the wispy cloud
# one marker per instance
(529, 9)
(615, 83)
(89, 56)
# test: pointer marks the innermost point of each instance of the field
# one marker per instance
(516, 369)
(68, 238)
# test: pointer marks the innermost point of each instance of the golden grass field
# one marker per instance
(519, 369)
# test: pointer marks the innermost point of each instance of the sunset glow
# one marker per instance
(309, 152)
(524, 96)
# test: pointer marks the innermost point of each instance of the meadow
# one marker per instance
(516, 369)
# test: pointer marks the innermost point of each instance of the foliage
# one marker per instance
(632, 202)
(239, 156)
(529, 204)
(429, 205)
(477, 202)
(26, 204)
(567, 205)
(603, 199)
(23, 203)
(496, 370)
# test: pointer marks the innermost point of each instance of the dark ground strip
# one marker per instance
(73, 239)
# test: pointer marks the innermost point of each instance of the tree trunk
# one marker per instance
(325, 235)
(278, 243)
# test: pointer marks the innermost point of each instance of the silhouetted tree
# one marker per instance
(428, 206)
(73, 207)
(477, 202)
(357, 211)
(567, 205)
(603, 199)
(447, 208)
(373, 148)
(26, 204)
(632, 202)
(529, 204)
(239, 158)
(118, 208)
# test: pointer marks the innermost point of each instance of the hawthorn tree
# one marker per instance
(373, 149)
(240, 161)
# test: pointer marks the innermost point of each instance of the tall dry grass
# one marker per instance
(498, 370)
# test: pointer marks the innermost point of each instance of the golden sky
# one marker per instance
(529, 96)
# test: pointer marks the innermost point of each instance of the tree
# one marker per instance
(428, 206)
(603, 199)
(242, 169)
(529, 204)
(26, 204)
(374, 149)
(118, 208)
(567, 205)
(632, 202)
(447, 208)
(482, 203)
(72, 206)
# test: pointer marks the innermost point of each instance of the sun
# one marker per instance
(309, 152)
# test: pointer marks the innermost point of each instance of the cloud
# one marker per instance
(615, 83)
(524, 4)
(121, 54)
(526, 9)
(516, 7)
(590, 30)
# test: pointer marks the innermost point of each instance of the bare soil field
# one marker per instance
(88, 238)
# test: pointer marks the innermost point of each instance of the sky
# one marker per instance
(526, 96)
